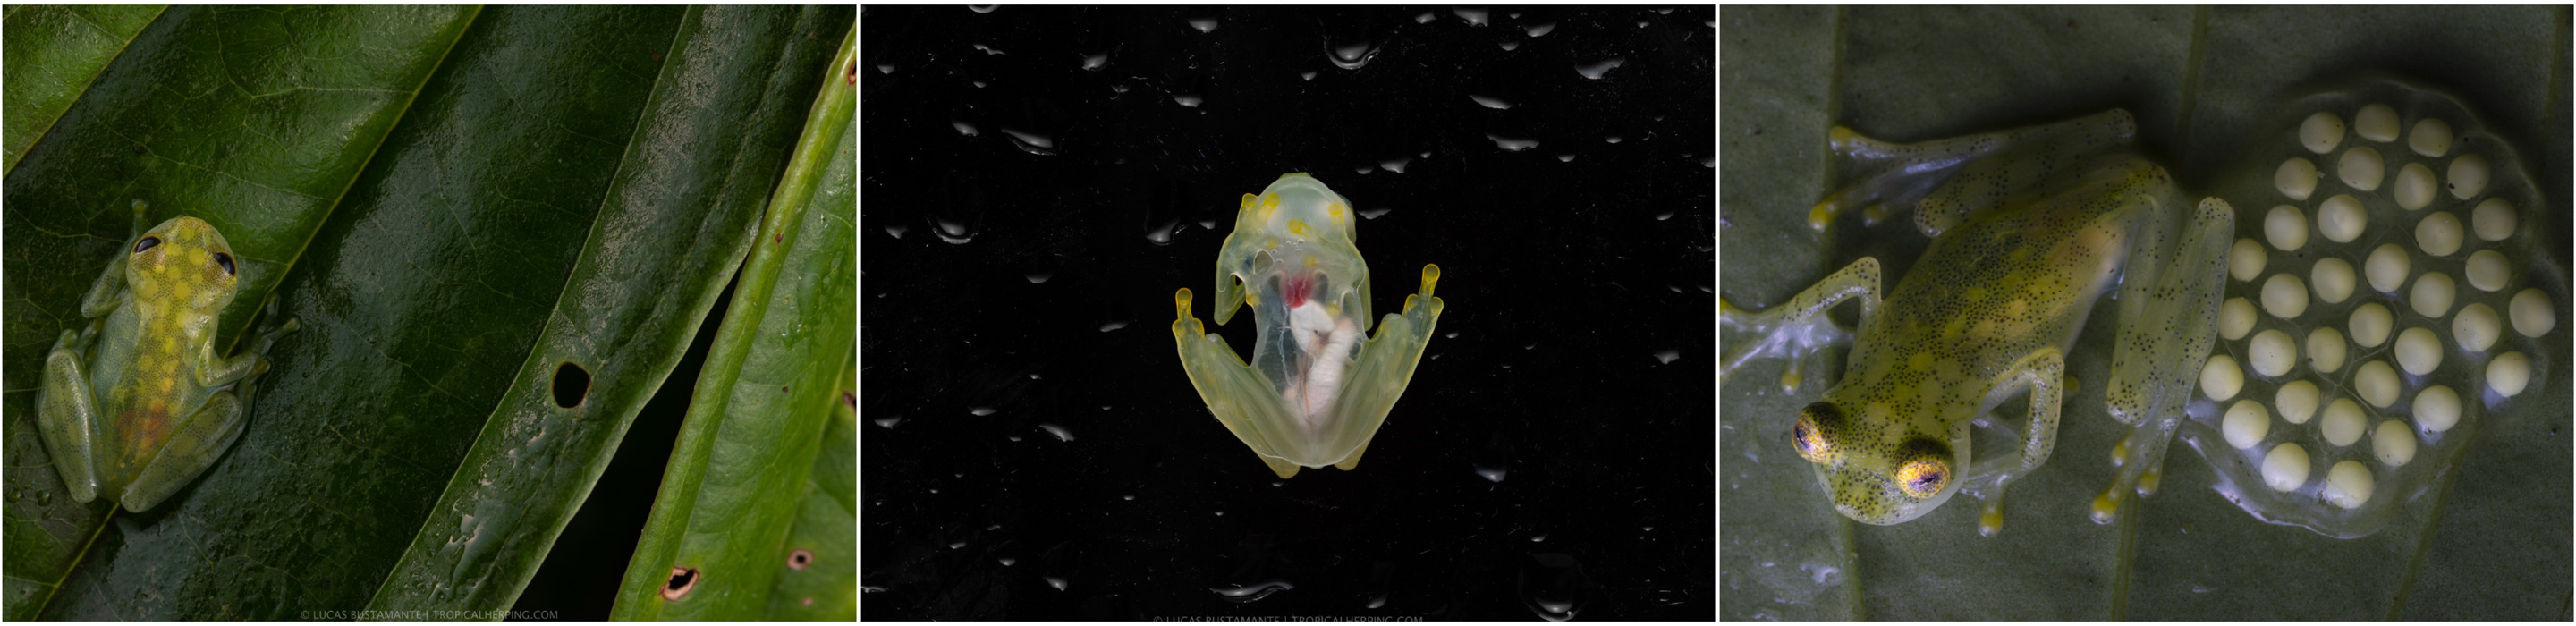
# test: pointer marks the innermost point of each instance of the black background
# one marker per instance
(1037, 289)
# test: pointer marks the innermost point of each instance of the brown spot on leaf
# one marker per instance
(682, 580)
(800, 559)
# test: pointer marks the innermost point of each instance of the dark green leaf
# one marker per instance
(53, 53)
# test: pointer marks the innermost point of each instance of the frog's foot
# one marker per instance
(1799, 327)
(2140, 458)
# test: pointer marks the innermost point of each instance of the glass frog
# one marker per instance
(2029, 228)
(136, 404)
(1315, 393)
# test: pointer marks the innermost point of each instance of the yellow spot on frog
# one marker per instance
(1297, 226)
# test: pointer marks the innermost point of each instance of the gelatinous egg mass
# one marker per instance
(2383, 302)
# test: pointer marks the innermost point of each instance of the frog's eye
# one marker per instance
(146, 244)
(1925, 472)
(225, 260)
(1815, 432)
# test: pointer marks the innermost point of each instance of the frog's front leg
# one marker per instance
(2167, 319)
(1800, 327)
(2044, 374)
(68, 415)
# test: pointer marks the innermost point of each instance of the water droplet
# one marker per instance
(1032, 143)
(1248, 593)
(1554, 586)
(1594, 71)
(1352, 56)
(1512, 145)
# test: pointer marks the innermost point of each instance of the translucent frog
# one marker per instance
(2029, 228)
(136, 404)
(1315, 392)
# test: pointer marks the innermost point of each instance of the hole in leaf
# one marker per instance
(683, 579)
(800, 559)
(572, 383)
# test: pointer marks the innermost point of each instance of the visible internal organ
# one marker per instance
(1324, 343)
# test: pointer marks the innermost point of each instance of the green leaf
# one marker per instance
(827, 523)
(456, 202)
(53, 53)
(719, 543)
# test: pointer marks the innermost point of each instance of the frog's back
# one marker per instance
(2020, 276)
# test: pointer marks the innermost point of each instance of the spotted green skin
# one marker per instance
(136, 404)
(2030, 227)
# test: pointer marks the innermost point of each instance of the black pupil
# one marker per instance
(146, 244)
(1927, 480)
(1799, 435)
(225, 260)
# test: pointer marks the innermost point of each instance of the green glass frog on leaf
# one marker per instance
(2030, 227)
(136, 404)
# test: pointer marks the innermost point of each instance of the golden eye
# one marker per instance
(1923, 476)
(1814, 433)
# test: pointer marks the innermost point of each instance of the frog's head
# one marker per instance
(183, 260)
(1880, 471)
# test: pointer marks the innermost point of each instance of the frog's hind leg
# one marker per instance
(2166, 323)
(2044, 374)
(1946, 180)
(192, 449)
(1241, 398)
(68, 416)
(1799, 327)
